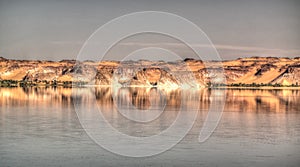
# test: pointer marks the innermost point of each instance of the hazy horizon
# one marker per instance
(48, 30)
(173, 60)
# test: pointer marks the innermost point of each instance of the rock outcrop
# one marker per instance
(187, 73)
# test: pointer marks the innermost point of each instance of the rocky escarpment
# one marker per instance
(187, 73)
(290, 75)
(263, 70)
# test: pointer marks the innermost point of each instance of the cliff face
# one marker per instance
(283, 71)
(190, 73)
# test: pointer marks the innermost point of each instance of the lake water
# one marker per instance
(40, 126)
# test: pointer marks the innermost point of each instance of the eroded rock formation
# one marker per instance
(190, 72)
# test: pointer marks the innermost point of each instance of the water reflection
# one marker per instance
(258, 100)
(40, 125)
(237, 100)
(117, 105)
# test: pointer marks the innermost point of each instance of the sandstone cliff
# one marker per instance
(189, 73)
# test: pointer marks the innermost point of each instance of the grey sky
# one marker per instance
(56, 30)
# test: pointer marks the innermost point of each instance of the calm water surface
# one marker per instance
(39, 127)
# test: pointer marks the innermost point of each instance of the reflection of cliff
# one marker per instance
(262, 100)
(237, 100)
(190, 72)
(141, 98)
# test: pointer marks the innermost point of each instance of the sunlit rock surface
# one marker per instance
(187, 73)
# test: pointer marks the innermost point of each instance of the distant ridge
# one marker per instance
(251, 70)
